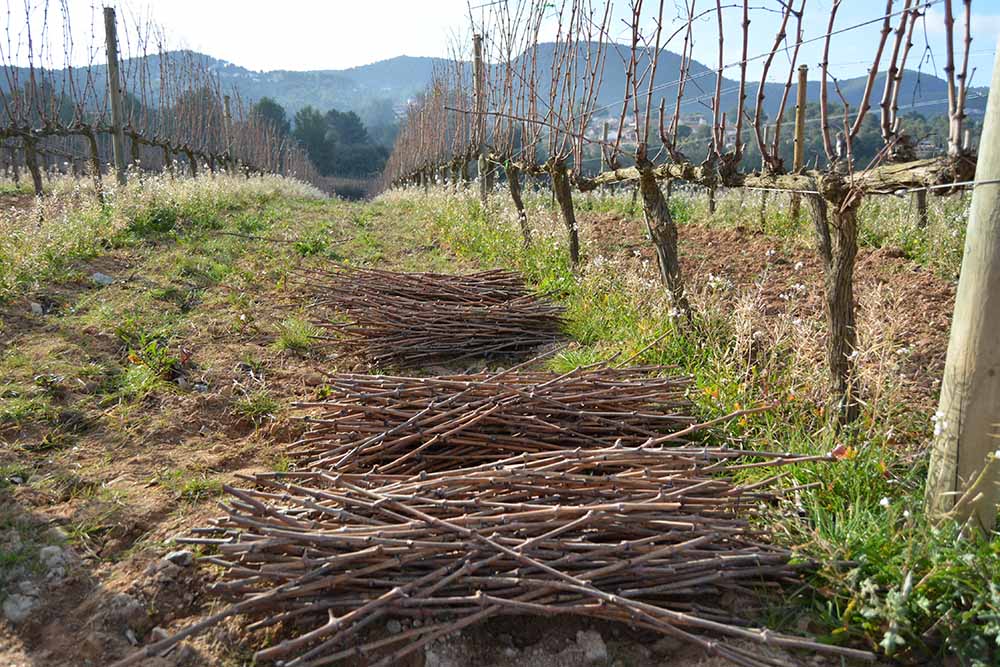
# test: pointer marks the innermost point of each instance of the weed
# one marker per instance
(190, 486)
(257, 406)
(296, 335)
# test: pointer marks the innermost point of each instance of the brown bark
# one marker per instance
(514, 184)
(563, 193)
(31, 162)
(663, 233)
(763, 210)
(136, 157)
(836, 226)
(95, 163)
(193, 164)
(711, 199)
(15, 168)
(167, 162)
(920, 208)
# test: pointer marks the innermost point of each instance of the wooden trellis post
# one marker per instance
(480, 88)
(115, 91)
(799, 148)
(964, 475)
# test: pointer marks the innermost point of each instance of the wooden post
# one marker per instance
(228, 134)
(763, 195)
(480, 83)
(919, 202)
(604, 154)
(114, 89)
(799, 153)
(964, 475)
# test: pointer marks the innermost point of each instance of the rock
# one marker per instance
(510, 652)
(102, 279)
(17, 607)
(595, 651)
(28, 588)
(186, 656)
(36, 308)
(313, 379)
(52, 556)
(92, 646)
(126, 610)
(393, 627)
(10, 540)
(181, 557)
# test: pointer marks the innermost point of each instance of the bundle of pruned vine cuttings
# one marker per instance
(652, 537)
(409, 319)
(391, 424)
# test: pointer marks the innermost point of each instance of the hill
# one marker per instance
(379, 90)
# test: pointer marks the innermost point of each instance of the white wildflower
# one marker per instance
(884, 502)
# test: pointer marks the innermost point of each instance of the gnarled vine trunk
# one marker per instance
(663, 233)
(836, 226)
(513, 174)
(193, 164)
(95, 162)
(563, 193)
(31, 162)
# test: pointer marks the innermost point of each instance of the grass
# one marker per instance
(296, 335)
(191, 486)
(257, 406)
(911, 591)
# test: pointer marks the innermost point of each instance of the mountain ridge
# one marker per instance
(379, 91)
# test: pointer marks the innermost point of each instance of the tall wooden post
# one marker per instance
(480, 83)
(964, 475)
(919, 202)
(228, 134)
(799, 152)
(115, 90)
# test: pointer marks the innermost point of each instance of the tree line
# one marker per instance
(337, 142)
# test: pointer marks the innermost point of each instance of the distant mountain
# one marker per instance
(377, 90)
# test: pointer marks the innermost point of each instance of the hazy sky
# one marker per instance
(336, 34)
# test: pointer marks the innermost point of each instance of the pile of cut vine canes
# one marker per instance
(644, 536)
(405, 425)
(408, 319)
(454, 499)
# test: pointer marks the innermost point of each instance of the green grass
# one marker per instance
(909, 590)
(190, 486)
(257, 406)
(296, 335)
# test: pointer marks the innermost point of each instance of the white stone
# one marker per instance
(18, 607)
(595, 651)
(101, 278)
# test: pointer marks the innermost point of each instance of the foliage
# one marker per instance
(338, 143)
(272, 113)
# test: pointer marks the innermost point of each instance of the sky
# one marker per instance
(337, 34)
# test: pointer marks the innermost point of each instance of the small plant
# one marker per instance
(191, 486)
(257, 406)
(295, 335)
